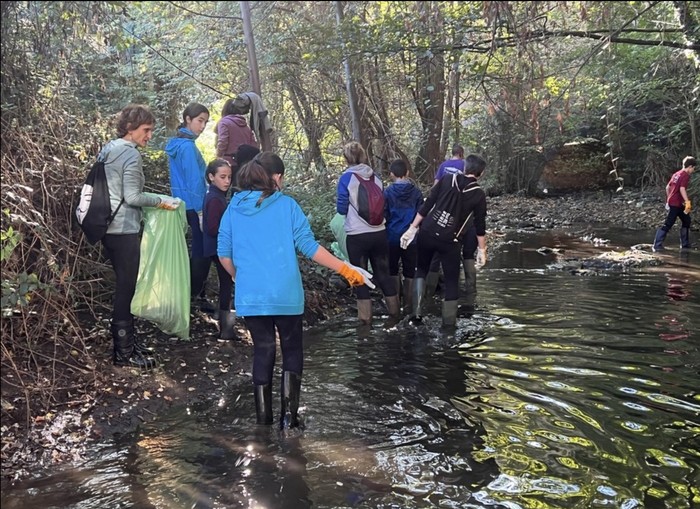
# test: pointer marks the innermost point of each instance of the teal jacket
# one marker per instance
(263, 240)
(125, 179)
(187, 170)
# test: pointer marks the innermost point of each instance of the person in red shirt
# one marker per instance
(678, 205)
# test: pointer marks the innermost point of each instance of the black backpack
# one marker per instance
(370, 201)
(446, 220)
(94, 212)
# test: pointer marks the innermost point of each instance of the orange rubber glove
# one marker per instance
(356, 276)
(687, 207)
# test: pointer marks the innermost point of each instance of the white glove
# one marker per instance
(201, 221)
(408, 236)
(480, 258)
(169, 203)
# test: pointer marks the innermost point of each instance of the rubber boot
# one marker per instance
(431, 283)
(291, 387)
(140, 345)
(685, 238)
(227, 320)
(659, 240)
(397, 284)
(407, 295)
(469, 266)
(364, 310)
(124, 351)
(393, 306)
(418, 297)
(449, 313)
(263, 404)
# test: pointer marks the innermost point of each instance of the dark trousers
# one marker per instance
(262, 330)
(199, 264)
(225, 285)
(469, 244)
(449, 253)
(124, 253)
(407, 257)
(375, 248)
(673, 214)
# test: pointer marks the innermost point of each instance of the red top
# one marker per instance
(679, 179)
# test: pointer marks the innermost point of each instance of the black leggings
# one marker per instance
(124, 252)
(375, 248)
(262, 330)
(449, 253)
(225, 285)
(407, 257)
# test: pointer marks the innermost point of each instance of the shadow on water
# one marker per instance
(561, 391)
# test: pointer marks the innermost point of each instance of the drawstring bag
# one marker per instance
(163, 285)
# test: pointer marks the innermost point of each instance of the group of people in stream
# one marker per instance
(240, 220)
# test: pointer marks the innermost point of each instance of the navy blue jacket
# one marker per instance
(402, 199)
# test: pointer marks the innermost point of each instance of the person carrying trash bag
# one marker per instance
(125, 180)
(259, 236)
(452, 204)
(163, 287)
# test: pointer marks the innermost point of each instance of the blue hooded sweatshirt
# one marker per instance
(187, 170)
(263, 240)
(401, 202)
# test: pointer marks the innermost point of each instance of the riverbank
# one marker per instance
(121, 399)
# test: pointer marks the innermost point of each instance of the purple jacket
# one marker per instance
(233, 131)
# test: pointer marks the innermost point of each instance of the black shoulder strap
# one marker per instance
(114, 214)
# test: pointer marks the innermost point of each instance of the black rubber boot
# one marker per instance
(291, 387)
(263, 404)
(449, 313)
(469, 267)
(124, 351)
(418, 297)
(685, 238)
(227, 320)
(659, 240)
(140, 345)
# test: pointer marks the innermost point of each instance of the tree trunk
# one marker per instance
(430, 93)
(349, 80)
(310, 124)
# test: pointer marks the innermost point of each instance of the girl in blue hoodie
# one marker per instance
(188, 182)
(259, 236)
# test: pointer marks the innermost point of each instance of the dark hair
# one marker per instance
(256, 175)
(213, 167)
(474, 165)
(132, 117)
(398, 168)
(245, 153)
(231, 108)
(689, 161)
(457, 150)
(354, 153)
(193, 110)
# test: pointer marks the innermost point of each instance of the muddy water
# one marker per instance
(564, 390)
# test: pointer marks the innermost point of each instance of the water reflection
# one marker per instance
(561, 391)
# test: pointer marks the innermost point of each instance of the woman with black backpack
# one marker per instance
(453, 204)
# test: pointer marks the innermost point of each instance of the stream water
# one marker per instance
(564, 390)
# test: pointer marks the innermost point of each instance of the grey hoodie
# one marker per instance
(125, 179)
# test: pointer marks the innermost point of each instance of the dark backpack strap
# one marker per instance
(112, 216)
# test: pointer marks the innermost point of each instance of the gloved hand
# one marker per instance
(667, 207)
(687, 207)
(356, 276)
(408, 236)
(200, 215)
(480, 258)
(169, 203)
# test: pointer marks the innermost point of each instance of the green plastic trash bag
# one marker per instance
(338, 247)
(163, 285)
